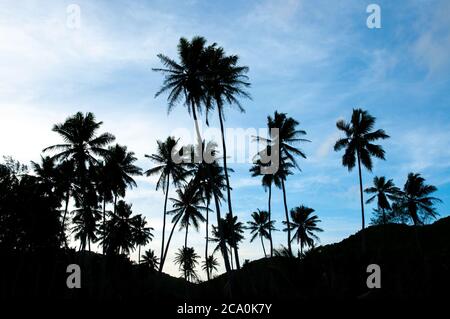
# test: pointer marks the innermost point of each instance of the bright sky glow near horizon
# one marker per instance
(315, 60)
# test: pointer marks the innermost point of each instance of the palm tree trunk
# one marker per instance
(164, 220)
(161, 265)
(287, 218)
(230, 209)
(198, 151)
(231, 257)
(139, 254)
(222, 244)
(384, 215)
(64, 219)
(361, 190)
(264, 249)
(104, 222)
(270, 221)
(207, 237)
(185, 247)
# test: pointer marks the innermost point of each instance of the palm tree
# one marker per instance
(119, 165)
(86, 218)
(267, 180)
(150, 260)
(104, 186)
(416, 201)
(166, 169)
(142, 234)
(82, 144)
(358, 145)
(187, 209)
(284, 134)
(210, 264)
(226, 81)
(261, 226)
(384, 191)
(185, 79)
(120, 230)
(304, 226)
(186, 258)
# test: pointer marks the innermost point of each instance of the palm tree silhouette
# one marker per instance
(415, 199)
(186, 258)
(267, 180)
(168, 171)
(187, 209)
(210, 265)
(383, 191)
(285, 138)
(82, 144)
(119, 165)
(150, 260)
(232, 234)
(185, 79)
(261, 226)
(142, 234)
(358, 145)
(86, 217)
(120, 230)
(304, 226)
(226, 81)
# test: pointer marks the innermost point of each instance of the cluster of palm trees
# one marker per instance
(393, 205)
(87, 169)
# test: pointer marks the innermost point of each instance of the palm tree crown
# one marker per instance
(304, 225)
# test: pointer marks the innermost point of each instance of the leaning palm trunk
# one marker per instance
(104, 223)
(270, 221)
(164, 221)
(168, 243)
(230, 209)
(287, 218)
(222, 244)
(264, 249)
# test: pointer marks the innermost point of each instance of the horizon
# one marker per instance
(316, 63)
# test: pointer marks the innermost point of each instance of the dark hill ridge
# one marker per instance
(414, 261)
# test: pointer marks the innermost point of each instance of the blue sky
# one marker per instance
(315, 60)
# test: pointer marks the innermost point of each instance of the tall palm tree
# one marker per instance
(383, 191)
(150, 259)
(267, 180)
(226, 81)
(304, 225)
(186, 258)
(358, 145)
(284, 133)
(210, 265)
(168, 172)
(187, 210)
(261, 226)
(184, 80)
(119, 165)
(142, 234)
(416, 201)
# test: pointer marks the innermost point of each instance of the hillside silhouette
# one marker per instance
(414, 263)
